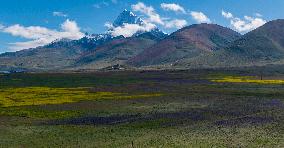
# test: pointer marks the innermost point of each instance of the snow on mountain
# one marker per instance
(127, 17)
(127, 24)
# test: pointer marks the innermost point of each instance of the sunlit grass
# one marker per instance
(245, 79)
(44, 95)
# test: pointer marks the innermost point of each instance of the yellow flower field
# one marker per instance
(245, 79)
(44, 95)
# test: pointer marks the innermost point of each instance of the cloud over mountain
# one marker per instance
(244, 25)
(153, 18)
(39, 36)
(127, 30)
(176, 23)
(200, 17)
(127, 24)
(149, 11)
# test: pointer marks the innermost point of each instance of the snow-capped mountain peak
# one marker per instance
(128, 24)
(127, 17)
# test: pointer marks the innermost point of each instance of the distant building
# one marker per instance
(115, 67)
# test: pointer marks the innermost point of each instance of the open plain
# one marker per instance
(192, 108)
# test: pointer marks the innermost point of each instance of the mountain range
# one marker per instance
(195, 46)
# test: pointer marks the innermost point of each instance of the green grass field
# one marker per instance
(198, 108)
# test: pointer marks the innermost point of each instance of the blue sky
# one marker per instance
(91, 16)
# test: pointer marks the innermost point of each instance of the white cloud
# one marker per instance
(200, 17)
(154, 18)
(58, 13)
(227, 15)
(173, 7)
(32, 32)
(127, 30)
(177, 23)
(40, 36)
(26, 45)
(149, 11)
(244, 25)
(70, 26)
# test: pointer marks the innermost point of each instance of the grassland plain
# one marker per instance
(198, 108)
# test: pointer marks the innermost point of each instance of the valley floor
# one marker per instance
(196, 108)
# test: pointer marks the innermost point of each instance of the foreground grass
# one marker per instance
(155, 109)
(148, 135)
